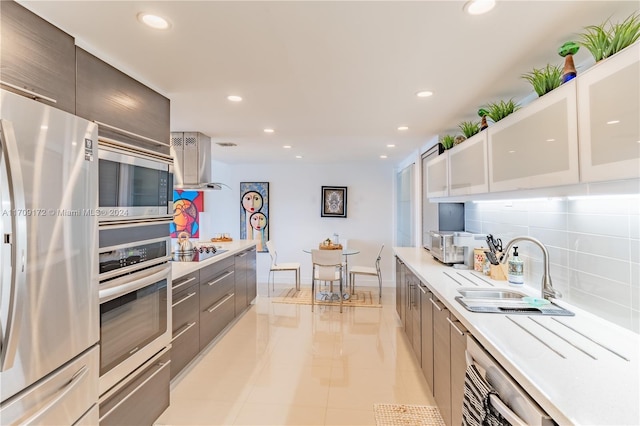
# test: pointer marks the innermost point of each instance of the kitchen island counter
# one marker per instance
(180, 269)
(574, 379)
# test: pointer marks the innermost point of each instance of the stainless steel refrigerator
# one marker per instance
(49, 310)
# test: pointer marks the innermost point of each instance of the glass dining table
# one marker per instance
(346, 252)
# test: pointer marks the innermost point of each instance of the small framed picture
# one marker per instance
(334, 201)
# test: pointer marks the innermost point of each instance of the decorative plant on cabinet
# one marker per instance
(607, 39)
(544, 79)
(469, 128)
(496, 111)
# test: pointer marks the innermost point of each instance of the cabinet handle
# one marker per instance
(210, 283)
(188, 296)
(434, 303)
(185, 282)
(32, 94)
(241, 255)
(217, 305)
(184, 330)
(454, 326)
(128, 133)
(423, 289)
(60, 394)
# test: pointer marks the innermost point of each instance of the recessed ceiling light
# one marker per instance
(551, 140)
(286, 146)
(269, 130)
(298, 156)
(383, 156)
(234, 98)
(153, 21)
(226, 144)
(424, 94)
(511, 152)
(391, 145)
(403, 128)
(613, 122)
(478, 7)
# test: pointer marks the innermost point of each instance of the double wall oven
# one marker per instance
(135, 202)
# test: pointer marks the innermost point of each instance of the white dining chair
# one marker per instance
(327, 266)
(280, 267)
(367, 270)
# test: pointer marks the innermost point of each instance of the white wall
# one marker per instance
(294, 211)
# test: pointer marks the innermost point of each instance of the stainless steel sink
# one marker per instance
(504, 301)
(490, 293)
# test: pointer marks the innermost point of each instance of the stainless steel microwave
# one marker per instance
(133, 183)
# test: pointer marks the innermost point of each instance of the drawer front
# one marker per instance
(186, 306)
(214, 318)
(180, 284)
(215, 269)
(144, 396)
(185, 346)
(216, 287)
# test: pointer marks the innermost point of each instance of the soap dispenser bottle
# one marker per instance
(516, 269)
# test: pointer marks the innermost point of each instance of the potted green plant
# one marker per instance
(469, 128)
(447, 141)
(496, 111)
(544, 79)
(608, 39)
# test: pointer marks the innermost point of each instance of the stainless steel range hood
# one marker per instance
(192, 157)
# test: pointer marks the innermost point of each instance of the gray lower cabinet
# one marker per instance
(185, 343)
(458, 337)
(241, 281)
(141, 398)
(442, 360)
(130, 111)
(416, 327)
(426, 326)
(400, 290)
(252, 277)
(37, 57)
(217, 299)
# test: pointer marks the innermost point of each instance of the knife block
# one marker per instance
(498, 272)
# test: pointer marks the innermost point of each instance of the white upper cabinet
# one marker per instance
(468, 172)
(437, 176)
(609, 118)
(536, 146)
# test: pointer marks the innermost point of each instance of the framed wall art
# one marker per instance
(334, 201)
(187, 206)
(254, 213)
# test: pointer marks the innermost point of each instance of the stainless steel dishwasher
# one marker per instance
(514, 404)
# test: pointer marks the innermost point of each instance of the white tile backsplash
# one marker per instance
(612, 225)
(593, 244)
(602, 245)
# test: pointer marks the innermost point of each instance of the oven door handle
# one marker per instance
(150, 277)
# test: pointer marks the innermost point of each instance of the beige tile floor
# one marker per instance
(281, 364)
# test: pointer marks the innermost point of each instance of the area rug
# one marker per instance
(406, 415)
(364, 298)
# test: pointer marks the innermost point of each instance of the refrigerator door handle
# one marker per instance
(17, 238)
(57, 397)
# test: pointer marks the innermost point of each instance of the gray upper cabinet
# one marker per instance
(38, 59)
(125, 109)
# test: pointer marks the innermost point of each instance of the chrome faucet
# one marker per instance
(547, 288)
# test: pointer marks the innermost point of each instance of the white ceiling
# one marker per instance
(333, 78)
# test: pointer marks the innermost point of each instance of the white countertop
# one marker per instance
(576, 389)
(180, 269)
